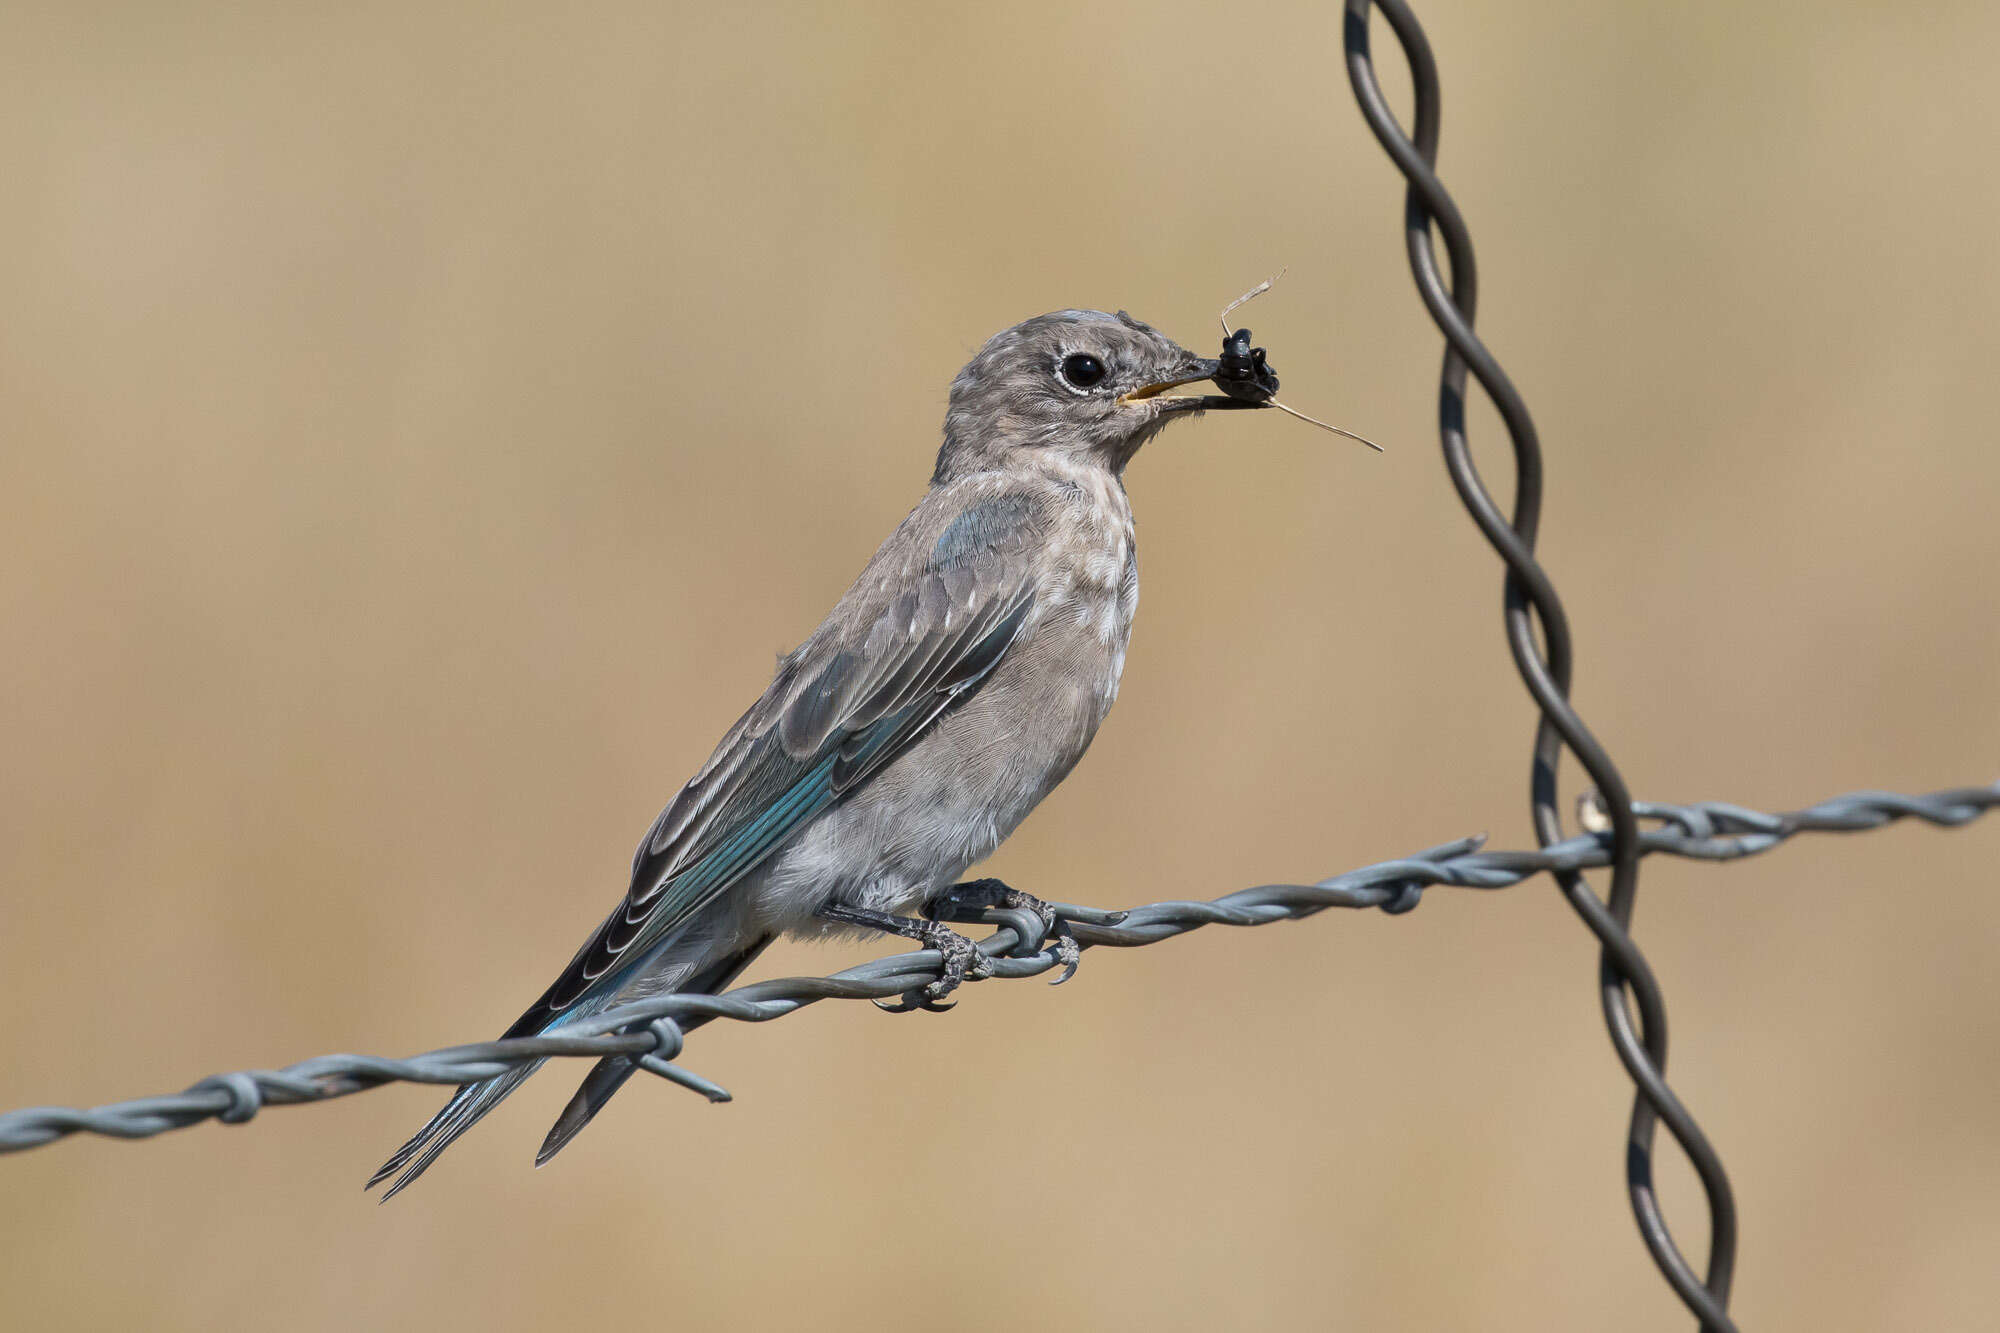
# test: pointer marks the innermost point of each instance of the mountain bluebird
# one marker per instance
(950, 690)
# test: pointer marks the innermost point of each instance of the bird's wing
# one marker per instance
(921, 630)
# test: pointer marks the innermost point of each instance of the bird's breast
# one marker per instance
(974, 776)
(1091, 587)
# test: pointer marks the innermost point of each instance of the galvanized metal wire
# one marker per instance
(656, 1028)
(1634, 1008)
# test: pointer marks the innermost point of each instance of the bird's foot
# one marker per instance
(1036, 924)
(962, 960)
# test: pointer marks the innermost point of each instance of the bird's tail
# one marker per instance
(461, 1113)
(611, 1073)
(473, 1100)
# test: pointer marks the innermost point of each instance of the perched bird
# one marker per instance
(950, 690)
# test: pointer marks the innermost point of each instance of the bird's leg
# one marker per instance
(982, 900)
(962, 958)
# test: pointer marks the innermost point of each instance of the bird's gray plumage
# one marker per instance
(952, 687)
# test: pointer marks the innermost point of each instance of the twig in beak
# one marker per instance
(1256, 291)
(1288, 411)
(1246, 379)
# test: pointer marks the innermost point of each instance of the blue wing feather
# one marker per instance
(897, 653)
(843, 763)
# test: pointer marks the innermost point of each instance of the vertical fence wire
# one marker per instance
(1625, 981)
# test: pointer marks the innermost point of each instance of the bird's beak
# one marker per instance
(1199, 369)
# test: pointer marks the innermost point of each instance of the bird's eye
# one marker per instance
(1081, 370)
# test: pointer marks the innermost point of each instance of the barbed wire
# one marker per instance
(655, 1029)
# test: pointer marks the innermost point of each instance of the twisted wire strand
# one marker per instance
(655, 1028)
(1625, 979)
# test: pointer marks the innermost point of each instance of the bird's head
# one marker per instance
(1077, 382)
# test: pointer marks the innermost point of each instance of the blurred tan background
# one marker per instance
(421, 429)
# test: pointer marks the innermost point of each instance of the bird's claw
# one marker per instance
(1068, 954)
(911, 1001)
(1036, 924)
(962, 962)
